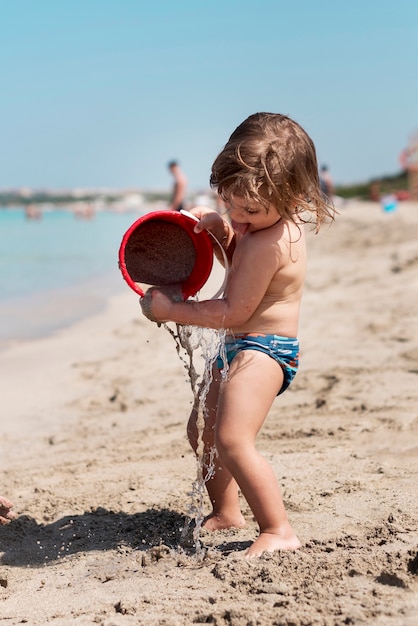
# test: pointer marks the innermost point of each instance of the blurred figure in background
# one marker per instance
(326, 183)
(375, 191)
(32, 212)
(179, 187)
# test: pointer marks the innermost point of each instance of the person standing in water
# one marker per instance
(267, 177)
(179, 187)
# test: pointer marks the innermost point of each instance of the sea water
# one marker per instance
(56, 269)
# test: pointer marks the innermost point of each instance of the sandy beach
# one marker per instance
(95, 459)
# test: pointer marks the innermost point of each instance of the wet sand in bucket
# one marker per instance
(160, 253)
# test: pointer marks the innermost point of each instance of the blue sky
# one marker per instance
(103, 93)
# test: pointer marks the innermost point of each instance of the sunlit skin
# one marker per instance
(6, 513)
(267, 266)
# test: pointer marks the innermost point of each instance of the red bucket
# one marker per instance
(161, 248)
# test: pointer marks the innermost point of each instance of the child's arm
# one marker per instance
(246, 287)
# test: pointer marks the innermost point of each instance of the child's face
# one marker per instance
(249, 215)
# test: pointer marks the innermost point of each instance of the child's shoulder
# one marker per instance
(283, 231)
(294, 230)
(284, 239)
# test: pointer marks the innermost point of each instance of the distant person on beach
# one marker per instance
(179, 187)
(32, 212)
(6, 513)
(326, 183)
(267, 177)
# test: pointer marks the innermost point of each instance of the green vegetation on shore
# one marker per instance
(14, 198)
(383, 185)
(363, 191)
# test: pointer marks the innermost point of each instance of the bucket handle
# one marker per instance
(225, 258)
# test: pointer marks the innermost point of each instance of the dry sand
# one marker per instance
(96, 460)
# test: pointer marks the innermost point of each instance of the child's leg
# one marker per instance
(244, 401)
(222, 487)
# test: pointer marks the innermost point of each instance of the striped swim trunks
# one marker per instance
(284, 350)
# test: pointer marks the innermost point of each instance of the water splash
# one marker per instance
(211, 343)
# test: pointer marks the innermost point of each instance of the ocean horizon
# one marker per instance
(56, 268)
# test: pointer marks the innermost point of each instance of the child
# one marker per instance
(267, 176)
(6, 513)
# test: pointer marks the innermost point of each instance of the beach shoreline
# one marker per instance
(96, 460)
(39, 315)
(56, 270)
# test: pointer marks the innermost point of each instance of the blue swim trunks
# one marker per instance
(284, 350)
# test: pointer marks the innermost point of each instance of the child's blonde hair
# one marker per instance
(269, 158)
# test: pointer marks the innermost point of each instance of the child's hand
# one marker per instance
(156, 303)
(208, 220)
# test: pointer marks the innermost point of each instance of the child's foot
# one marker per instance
(269, 542)
(6, 514)
(218, 521)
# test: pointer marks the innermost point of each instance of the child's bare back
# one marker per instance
(281, 249)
